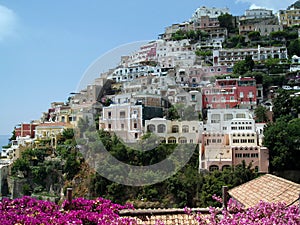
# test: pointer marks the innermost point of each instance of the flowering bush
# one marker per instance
(27, 210)
(263, 213)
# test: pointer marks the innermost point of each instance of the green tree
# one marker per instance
(278, 35)
(286, 105)
(226, 20)
(243, 66)
(294, 48)
(254, 36)
(261, 114)
(282, 140)
(20, 165)
(236, 41)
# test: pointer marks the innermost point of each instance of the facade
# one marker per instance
(230, 56)
(125, 120)
(215, 37)
(181, 132)
(146, 53)
(170, 30)
(205, 22)
(125, 74)
(175, 53)
(262, 25)
(25, 129)
(257, 13)
(230, 93)
(230, 137)
(50, 131)
(194, 75)
(210, 12)
(289, 17)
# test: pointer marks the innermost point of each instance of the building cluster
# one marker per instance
(141, 94)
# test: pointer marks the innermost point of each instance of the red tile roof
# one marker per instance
(268, 188)
(163, 216)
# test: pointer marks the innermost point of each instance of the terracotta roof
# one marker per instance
(163, 216)
(267, 188)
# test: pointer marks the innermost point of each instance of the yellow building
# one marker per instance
(290, 17)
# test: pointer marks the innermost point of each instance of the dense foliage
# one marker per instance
(261, 214)
(282, 136)
(29, 211)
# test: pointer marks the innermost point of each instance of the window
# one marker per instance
(243, 140)
(122, 114)
(109, 126)
(185, 129)
(161, 128)
(136, 135)
(182, 140)
(246, 155)
(225, 167)
(238, 155)
(109, 115)
(215, 118)
(135, 125)
(228, 116)
(122, 126)
(254, 155)
(240, 115)
(151, 128)
(171, 140)
(175, 129)
(213, 168)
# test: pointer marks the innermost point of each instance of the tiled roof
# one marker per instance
(163, 216)
(267, 188)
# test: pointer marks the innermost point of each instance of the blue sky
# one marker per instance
(46, 46)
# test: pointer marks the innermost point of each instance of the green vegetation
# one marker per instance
(192, 35)
(227, 21)
(282, 136)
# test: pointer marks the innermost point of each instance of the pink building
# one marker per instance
(230, 93)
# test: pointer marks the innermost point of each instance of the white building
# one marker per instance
(231, 136)
(211, 12)
(171, 132)
(257, 13)
(125, 74)
(230, 56)
(125, 120)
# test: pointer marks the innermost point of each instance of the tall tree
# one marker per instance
(261, 114)
(226, 20)
(282, 139)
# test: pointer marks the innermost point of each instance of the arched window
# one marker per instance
(182, 140)
(161, 128)
(225, 167)
(185, 129)
(171, 140)
(151, 128)
(213, 168)
(175, 129)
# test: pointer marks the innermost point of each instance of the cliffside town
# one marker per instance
(198, 83)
